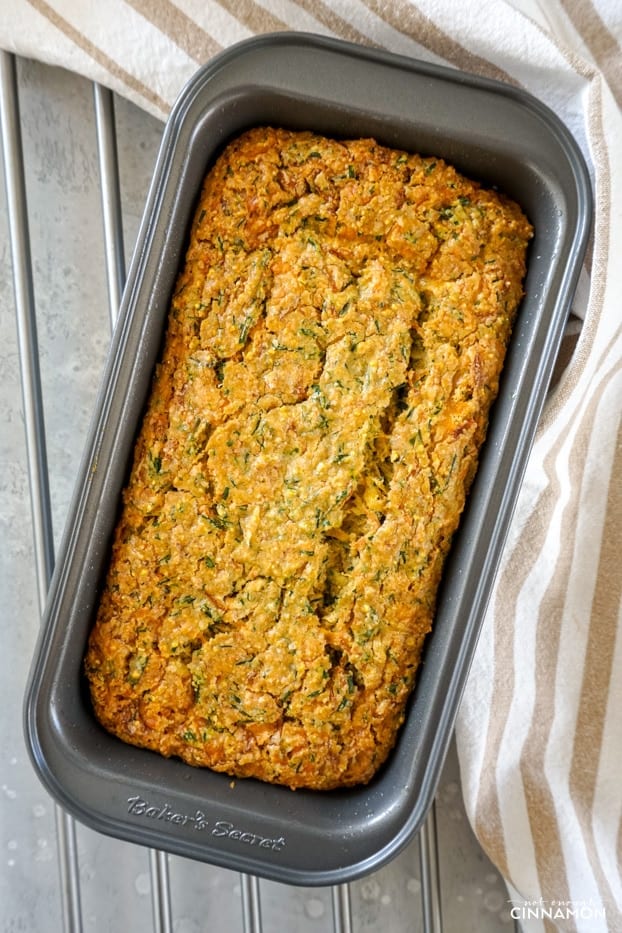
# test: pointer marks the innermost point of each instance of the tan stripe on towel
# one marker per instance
(600, 41)
(518, 565)
(550, 862)
(545, 830)
(98, 55)
(597, 671)
(339, 26)
(405, 18)
(183, 31)
(253, 16)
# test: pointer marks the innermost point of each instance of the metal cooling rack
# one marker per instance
(344, 919)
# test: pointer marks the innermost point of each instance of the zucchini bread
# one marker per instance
(333, 347)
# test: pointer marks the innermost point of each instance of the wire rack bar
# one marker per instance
(32, 399)
(251, 904)
(112, 215)
(342, 911)
(160, 892)
(26, 325)
(430, 876)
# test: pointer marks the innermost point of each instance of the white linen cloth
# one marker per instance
(540, 728)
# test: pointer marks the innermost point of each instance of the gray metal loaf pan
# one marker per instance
(491, 132)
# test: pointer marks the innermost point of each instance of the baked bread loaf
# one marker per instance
(334, 345)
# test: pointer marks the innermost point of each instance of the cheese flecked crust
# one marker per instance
(333, 347)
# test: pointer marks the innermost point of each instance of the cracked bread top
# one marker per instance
(333, 348)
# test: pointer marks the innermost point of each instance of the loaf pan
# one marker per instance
(491, 132)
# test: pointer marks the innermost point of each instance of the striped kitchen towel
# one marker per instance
(540, 727)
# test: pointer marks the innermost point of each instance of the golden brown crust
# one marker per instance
(334, 344)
